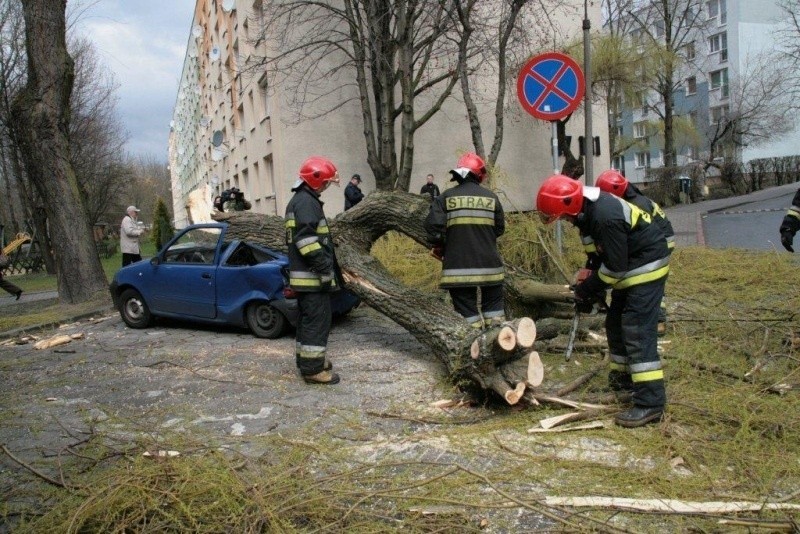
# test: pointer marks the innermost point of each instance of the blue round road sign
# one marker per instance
(550, 86)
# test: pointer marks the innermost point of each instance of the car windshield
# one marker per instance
(197, 245)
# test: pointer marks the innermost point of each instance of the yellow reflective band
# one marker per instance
(472, 203)
(591, 247)
(323, 230)
(618, 366)
(308, 249)
(793, 213)
(670, 244)
(643, 278)
(304, 282)
(476, 324)
(472, 278)
(470, 220)
(290, 223)
(649, 376)
(607, 279)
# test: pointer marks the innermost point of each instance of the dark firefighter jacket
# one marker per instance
(467, 220)
(309, 241)
(631, 248)
(791, 221)
(659, 218)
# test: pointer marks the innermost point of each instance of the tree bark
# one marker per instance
(41, 111)
(473, 358)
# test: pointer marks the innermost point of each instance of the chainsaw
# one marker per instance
(597, 307)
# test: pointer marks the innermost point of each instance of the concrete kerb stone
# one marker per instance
(16, 332)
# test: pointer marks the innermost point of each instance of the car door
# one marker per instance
(184, 280)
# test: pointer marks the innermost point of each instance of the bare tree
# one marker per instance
(97, 140)
(494, 38)
(41, 110)
(755, 113)
(393, 58)
(665, 29)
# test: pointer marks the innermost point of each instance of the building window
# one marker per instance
(690, 51)
(641, 101)
(719, 78)
(719, 43)
(718, 114)
(640, 129)
(264, 94)
(643, 160)
(619, 131)
(718, 9)
(693, 118)
(691, 85)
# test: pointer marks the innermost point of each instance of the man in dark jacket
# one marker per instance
(634, 262)
(611, 181)
(352, 193)
(791, 223)
(463, 225)
(311, 268)
(430, 188)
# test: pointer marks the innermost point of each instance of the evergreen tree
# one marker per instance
(162, 224)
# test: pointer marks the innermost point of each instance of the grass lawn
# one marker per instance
(39, 312)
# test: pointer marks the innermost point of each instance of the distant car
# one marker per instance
(201, 276)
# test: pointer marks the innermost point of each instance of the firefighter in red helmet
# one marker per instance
(312, 265)
(611, 181)
(634, 262)
(463, 225)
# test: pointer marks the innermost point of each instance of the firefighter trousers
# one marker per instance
(313, 327)
(465, 302)
(632, 330)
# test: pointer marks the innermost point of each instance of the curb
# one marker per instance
(53, 324)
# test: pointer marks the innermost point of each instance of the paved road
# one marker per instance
(747, 221)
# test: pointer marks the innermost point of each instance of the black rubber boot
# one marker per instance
(326, 378)
(639, 416)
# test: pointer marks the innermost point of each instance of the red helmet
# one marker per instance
(316, 171)
(559, 195)
(473, 163)
(611, 181)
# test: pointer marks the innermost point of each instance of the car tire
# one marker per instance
(134, 310)
(265, 321)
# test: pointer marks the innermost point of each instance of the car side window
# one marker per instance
(198, 245)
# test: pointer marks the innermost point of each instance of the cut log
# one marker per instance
(512, 395)
(535, 369)
(526, 332)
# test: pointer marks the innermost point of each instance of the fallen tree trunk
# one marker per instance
(493, 360)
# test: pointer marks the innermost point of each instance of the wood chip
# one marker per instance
(668, 505)
(584, 426)
(52, 342)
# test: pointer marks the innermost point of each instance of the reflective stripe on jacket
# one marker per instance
(467, 220)
(308, 240)
(635, 197)
(632, 249)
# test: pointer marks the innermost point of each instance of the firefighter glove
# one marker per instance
(787, 237)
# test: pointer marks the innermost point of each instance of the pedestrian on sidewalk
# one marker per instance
(9, 287)
(129, 234)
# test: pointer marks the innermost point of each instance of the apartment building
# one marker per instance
(731, 35)
(230, 129)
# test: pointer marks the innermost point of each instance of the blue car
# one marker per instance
(201, 276)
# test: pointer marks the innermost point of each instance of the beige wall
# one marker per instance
(263, 148)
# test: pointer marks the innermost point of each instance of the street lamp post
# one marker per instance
(588, 144)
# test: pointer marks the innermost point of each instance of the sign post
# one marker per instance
(550, 86)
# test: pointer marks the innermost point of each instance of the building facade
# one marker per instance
(731, 35)
(230, 129)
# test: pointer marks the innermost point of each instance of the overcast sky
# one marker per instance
(144, 43)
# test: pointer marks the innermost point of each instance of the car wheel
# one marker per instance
(134, 310)
(265, 321)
